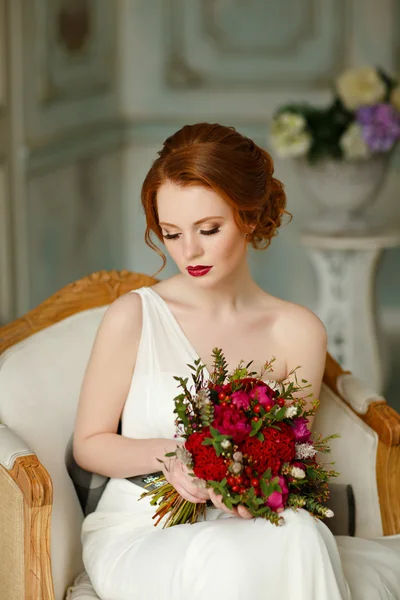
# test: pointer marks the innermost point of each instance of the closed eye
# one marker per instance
(174, 236)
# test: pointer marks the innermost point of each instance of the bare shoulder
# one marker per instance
(296, 321)
(124, 315)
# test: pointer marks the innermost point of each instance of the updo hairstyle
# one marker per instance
(221, 159)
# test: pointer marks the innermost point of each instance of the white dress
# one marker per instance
(225, 557)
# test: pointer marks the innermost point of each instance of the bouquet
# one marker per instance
(248, 442)
(362, 120)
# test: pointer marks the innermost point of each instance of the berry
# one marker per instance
(239, 479)
(221, 396)
(248, 471)
(254, 482)
(255, 419)
(257, 408)
(235, 488)
(268, 407)
(281, 402)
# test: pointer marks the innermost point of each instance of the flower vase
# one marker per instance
(345, 190)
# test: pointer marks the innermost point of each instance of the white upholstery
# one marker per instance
(81, 589)
(357, 393)
(11, 446)
(354, 454)
(40, 379)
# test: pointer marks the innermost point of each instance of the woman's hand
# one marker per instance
(239, 511)
(178, 475)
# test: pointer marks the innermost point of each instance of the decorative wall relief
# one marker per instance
(232, 43)
(74, 25)
(80, 48)
(69, 65)
(75, 223)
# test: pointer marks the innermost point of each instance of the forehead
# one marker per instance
(182, 204)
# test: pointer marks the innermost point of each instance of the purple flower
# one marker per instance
(241, 399)
(300, 429)
(380, 126)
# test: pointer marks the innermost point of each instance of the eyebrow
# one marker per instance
(196, 223)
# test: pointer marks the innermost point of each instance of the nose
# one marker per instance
(192, 247)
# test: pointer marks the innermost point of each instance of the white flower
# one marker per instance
(202, 398)
(360, 87)
(329, 513)
(237, 467)
(200, 483)
(298, 473)
(183, 455)
(353, 143)
(289, 136)
(237, 456)
(291, 146)
(225, 444)
(305, 451)
(290, 412)
(288, 123)
(395, 97)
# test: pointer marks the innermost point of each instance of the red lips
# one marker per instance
(198, 267)
(198, 270)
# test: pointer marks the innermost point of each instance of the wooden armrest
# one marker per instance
(385, 421)
(26, 497)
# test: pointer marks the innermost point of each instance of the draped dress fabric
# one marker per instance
(128, 558)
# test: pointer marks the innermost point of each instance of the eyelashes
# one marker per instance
(174, 236)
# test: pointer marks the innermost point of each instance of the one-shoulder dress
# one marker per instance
(222, 557)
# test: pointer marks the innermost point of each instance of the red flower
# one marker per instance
(230, 420)
(278, 447)
(207, 465)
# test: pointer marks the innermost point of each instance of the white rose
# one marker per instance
(360, 87)
(329, 513)
(353, 143)
(289, 136)
(291, 412)
(395, 97)
(298, 473)
(288, 123)
(287, 146)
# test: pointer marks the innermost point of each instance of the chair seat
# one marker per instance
(81, 589)
(390, 541)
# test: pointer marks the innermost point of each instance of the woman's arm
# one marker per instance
(305, 342)
(97, 446)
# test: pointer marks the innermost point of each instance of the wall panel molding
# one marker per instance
(231, 44)
(70, 68)
(86, 141)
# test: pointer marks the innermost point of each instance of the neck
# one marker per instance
(230, 295)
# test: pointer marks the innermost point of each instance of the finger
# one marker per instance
(218, 503)
(187, 495)
(244, 513)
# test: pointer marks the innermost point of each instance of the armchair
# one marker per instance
(42, 361)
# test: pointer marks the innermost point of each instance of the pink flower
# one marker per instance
(241, 399)
(229, 420)
(278, 499)
(264, 394)
(300, 429)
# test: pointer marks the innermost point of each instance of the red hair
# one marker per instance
(232, 165)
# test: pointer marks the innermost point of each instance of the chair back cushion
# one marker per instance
(40, 381)
(354, 455)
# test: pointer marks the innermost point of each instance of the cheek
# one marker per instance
(232, 247)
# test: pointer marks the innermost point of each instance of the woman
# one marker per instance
(208, 196)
